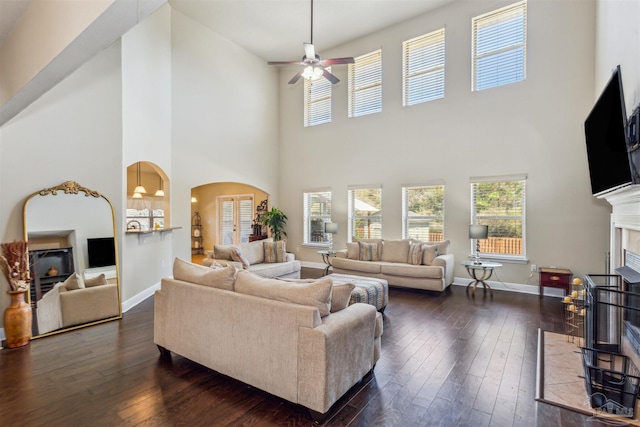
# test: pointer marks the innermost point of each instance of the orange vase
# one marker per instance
(17, 320)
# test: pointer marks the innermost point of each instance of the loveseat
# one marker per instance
(300, 341)
(251, 257)
(405, 263)
(76, 301)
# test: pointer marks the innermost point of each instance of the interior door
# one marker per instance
(236, 216)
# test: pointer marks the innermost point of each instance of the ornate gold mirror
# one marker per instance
(73, 258)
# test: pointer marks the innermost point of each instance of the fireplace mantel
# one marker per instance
(623, 198)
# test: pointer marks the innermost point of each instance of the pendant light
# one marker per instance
(139, 189)
(160, 192)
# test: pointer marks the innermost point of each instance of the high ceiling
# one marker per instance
(276, 29)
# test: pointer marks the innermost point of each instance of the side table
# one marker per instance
(326, 258)
(480, 273)
(555, 278)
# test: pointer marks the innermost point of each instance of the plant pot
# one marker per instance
(17, 320)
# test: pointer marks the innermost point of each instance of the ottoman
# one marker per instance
(368, 290)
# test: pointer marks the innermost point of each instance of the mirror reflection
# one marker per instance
(73, 258)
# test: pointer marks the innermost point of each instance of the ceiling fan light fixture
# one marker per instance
(312, 73)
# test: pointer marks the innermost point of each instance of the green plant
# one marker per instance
(276, 220)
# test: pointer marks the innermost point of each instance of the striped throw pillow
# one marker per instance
(415, 254)
(275, 251)
(368, 251)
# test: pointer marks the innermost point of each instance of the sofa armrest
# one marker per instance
(335, 355)
(290, 257)
(342, 253)
(445, 261)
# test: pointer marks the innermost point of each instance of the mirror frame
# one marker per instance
(72, 187)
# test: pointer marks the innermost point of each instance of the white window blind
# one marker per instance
(236, 219)
(317, 101)
(423, 68)
(317, 211)
(500, 204)
(423, 212)
(365, 84)
(365, 213)
(499, 46)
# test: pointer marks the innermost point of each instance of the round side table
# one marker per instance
(479, 273)
(326, 258)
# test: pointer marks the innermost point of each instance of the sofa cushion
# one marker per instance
(222, 252)
(275, 269)
(415, 254)
(442, 246)
(340, 296)
(237, 256)
(315, 294)
(408, 270)
(355, 265)
(395, 250)
(367, 251)
(221, 278)
(275, 251)
(95, 281)
(73, 282)
(429, 252)
(353, 250)
(253, 252)
(376, 241)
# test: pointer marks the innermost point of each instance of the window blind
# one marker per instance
(423, 212)
(316, 211)
(317, 101)
(423, 60)
(499, 46)
(365, 84)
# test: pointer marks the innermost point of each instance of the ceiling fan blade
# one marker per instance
(309, 50)
(335, 61)
(296, 77)
(284, 63)
(327, 75)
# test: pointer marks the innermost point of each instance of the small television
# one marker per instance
(604, 128)
(101, 251)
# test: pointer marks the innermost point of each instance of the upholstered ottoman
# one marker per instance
(368, 289)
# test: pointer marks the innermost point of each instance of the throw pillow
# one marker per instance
(221, 278)
(95, 281)
(429, 253)
(237, 256)
(340, 296)
(73, 282)
(368, 251)
(222, 252)
(315, 294)
(353, 250)
(275, 251)
(395, 250)
(415, 254)
(253, 252)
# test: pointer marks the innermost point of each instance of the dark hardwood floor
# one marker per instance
(447, 360)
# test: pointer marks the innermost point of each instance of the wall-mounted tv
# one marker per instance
(604, 128)
(101, 251)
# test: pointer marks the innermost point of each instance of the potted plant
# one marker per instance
(276, 220)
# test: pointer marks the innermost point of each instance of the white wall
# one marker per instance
(225, 118)
(532, 127)
(73, 132)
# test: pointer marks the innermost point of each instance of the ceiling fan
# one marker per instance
(313, 66)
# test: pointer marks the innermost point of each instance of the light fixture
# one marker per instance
(160, 192)
(137, 195)
(478, 232)
(312, 73)
(139, 189)
(193, 200)
(331, 228)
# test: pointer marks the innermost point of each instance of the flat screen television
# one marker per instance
(604, 128)
(102, 252)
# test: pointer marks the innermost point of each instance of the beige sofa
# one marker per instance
(404, 263)
(251, 257)
(297, 340)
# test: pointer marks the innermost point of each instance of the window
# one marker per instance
(317, 101)
(144, 214)
(236, 219)
(423, 68)
(365, 84)
(365, 212)
(316, 211)
(500, 204)
(499, 46)
(423, 212)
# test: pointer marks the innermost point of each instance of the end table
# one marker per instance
(326, 258)
(555, 278)
(480, 272)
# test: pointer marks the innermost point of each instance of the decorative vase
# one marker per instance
(17, 320)
(53, 271)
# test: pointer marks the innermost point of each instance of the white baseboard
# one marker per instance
(311, 264)
(512, 287)
(138, 298)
